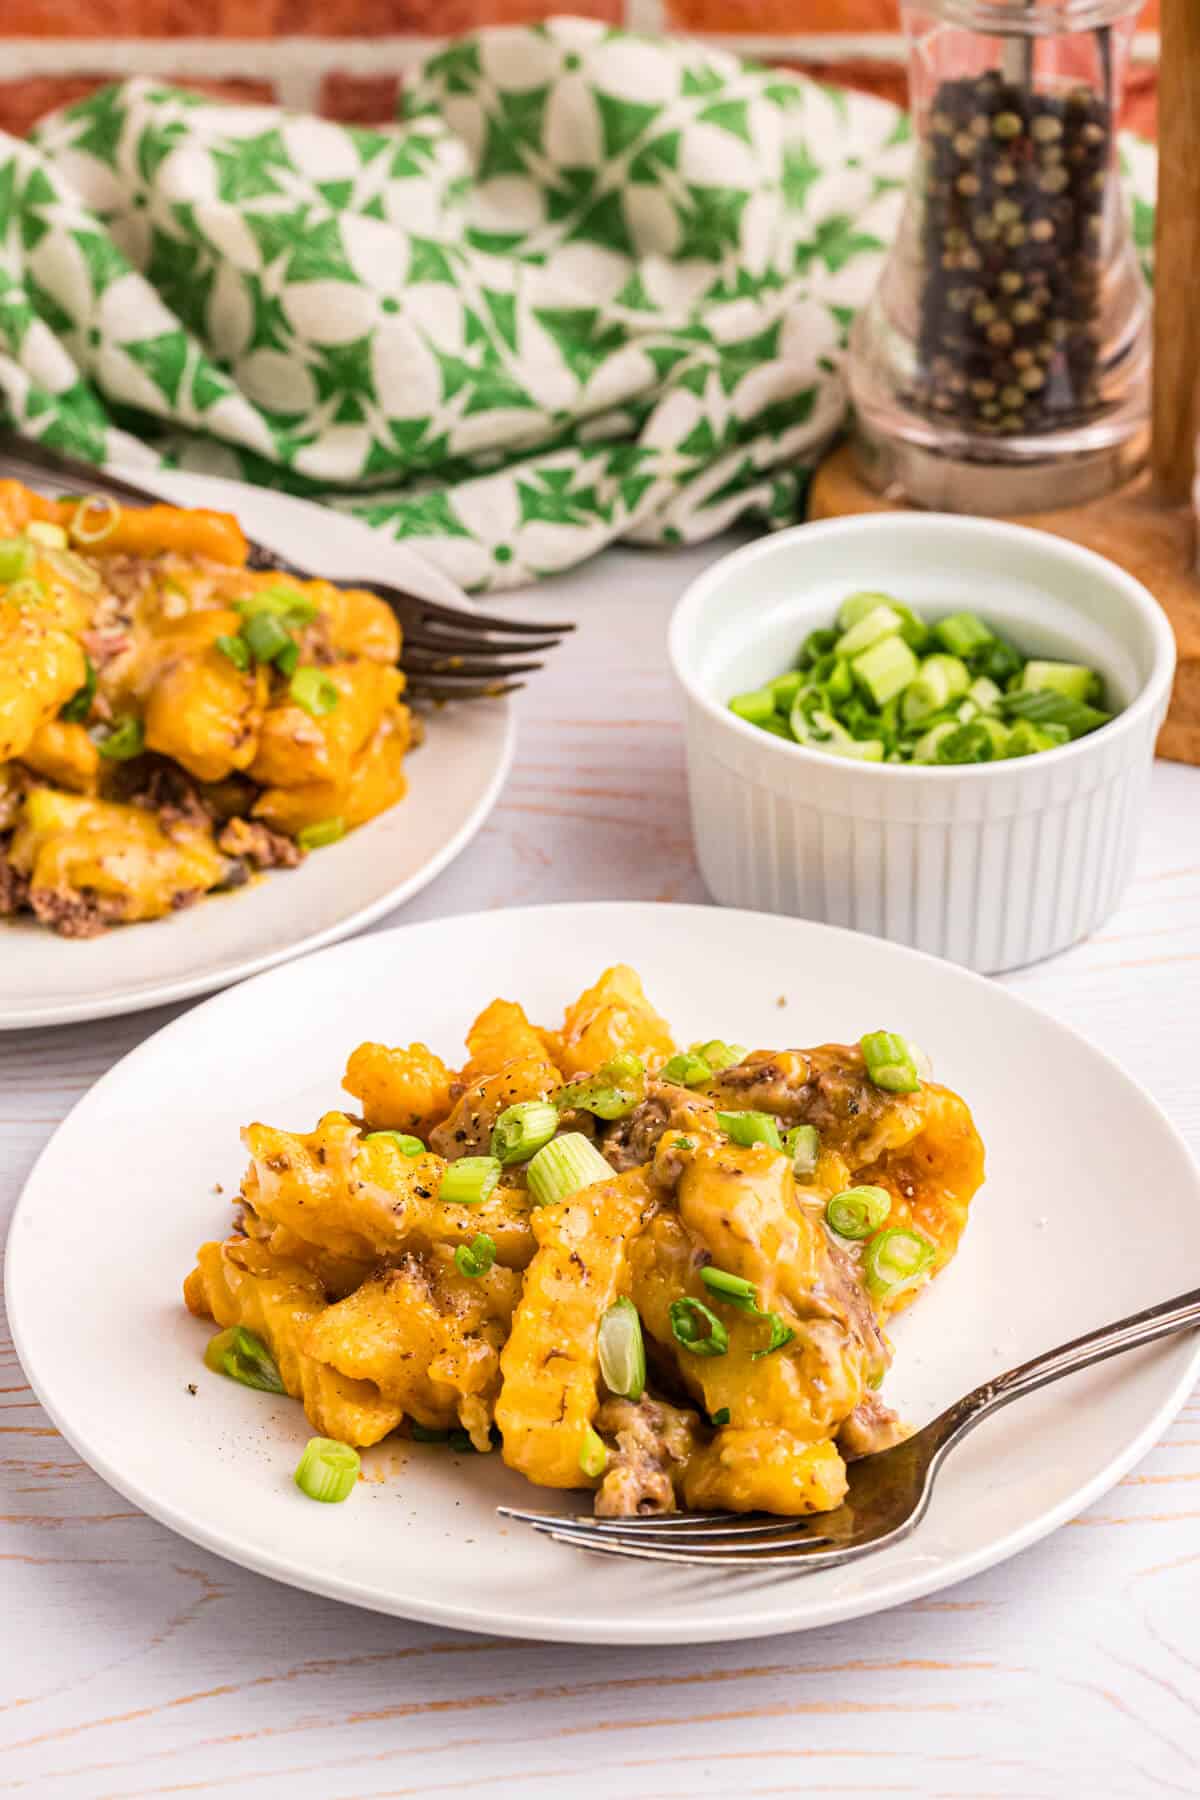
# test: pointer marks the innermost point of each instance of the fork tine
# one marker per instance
(440, 688)
(674, 1521)
(581, 1532)
(651, 1531)
(476, 646)
(478, 666)
(811, 1557)
(457, 619)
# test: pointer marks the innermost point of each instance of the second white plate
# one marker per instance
(454, 780)
(1060, 1241)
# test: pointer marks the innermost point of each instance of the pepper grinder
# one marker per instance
(1003, 362)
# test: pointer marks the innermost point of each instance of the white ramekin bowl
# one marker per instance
(992, 864)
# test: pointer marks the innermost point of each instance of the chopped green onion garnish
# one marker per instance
(895, 1259)
(881, 622)
(611, 1093)
(969, 743)
(27, 592)
(522, 1129)
(622, 1350)
(124, 741)
(41, 531)
(235, 648)
(315, 692)
(998, 661)
(890, 1062)
(962, 634)
(284, 603)
(469, 1181)
(405, 1144)
(985, 694)
(750, 1128)
(687, 1068)
(685, 1143)
(324, 831)
(288, 659)
(1027, 739)
(755, 707)
(1071, 679)
(562, 1167)
(858, 1212)
(886, 669)
(817, 644)
(16, 555)
(593, 1457)
(720, 1417)
(733, 1289)
(265, 636)
(79, 705)
(784, 689)
(803, 1145)
(940, 680)
(781, 1334)
(720, 1055)
(327, 1471)
(1046, 708)
(475, 1259)
(244, 1357)
(925, 750)
(698, 1329)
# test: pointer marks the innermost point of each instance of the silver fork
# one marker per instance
(447, 654)
(888, 1492)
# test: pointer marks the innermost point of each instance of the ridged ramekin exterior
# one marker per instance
(992, 876)
(993, 866)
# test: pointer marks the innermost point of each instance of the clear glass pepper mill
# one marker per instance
(1003, 362)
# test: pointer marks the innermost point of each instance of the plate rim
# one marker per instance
(186, 987)
(730, 1625)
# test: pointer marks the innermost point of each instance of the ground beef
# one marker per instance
(633, 1140)
(776, 1083)
(170, 793)
(75, 915)
(14, 889)
(259, 846)
(871, 1426)
(650, 1443)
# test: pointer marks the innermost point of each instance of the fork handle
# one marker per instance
(1096, 1346)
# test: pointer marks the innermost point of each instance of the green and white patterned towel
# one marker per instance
(589, 287)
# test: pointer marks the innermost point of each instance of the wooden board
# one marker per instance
(1155, 543)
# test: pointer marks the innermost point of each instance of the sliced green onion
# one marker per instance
(622, 1350)
(687, 1068)
(750, 1128)
(886, 669)
(235, 648)
(16, 556)
(998, 661)
(27, 592)
(404, 1142)
(1072, 679)
(469, 1181)
(288, 606)
(611, 1093)
(41, 531)
(839, 683)
(265, 636)
(803, 1145)
(315, 692)
(986, 695)
(720, 1417)
(733, 1289)
(288, 659)
(784, 689)
(103, 527)
(593, 1457)
(79, 705)
(327, 1471)
(1046, 708)
(1027, 739)
(696, 1328)
(475, 1259)
(939, 680)
(890, 1062)
(755, 707)
(685, 1143)
(244, 1357)
(857, 606)
(859, 1211)
(777, 727)
(720, 1055)
(124, 741)
(522, 1129)
(882, 621)
(895, 1259)
(324, 831)
(925, 750)
(781, 1334)
(969, 743)
(562, 1167)
(962, 634)
(816, 645)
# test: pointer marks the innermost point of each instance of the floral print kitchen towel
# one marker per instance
(588, 287)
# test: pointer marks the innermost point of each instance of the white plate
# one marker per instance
(1060, 1243)
(454, 780)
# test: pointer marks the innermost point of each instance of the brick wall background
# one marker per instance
(346, 58)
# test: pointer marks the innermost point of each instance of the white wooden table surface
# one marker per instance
(132, 1663)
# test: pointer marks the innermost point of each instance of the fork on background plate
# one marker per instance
(888, 1493)
(446, 652)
